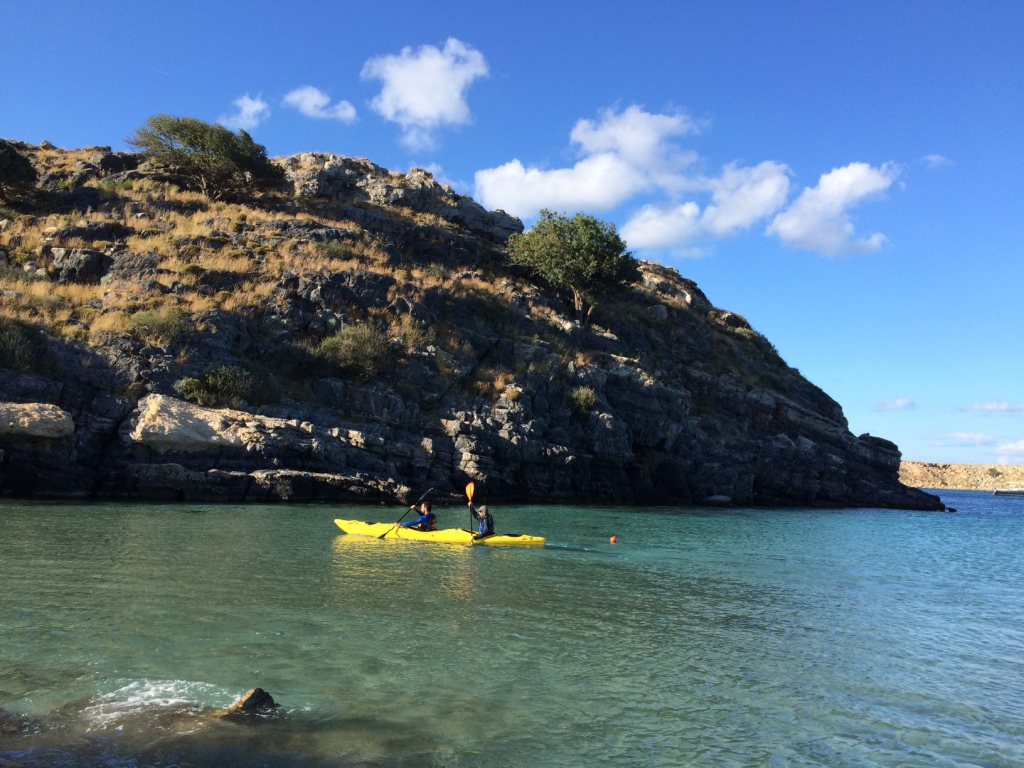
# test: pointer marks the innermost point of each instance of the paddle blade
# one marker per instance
(470, 488)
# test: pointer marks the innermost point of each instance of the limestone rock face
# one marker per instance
(315, 174)
(39, 420)
(39, 453)
(700, 438)
(168, 425)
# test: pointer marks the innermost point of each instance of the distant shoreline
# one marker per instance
(961, 477)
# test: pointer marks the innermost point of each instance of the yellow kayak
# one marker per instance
(443, 536)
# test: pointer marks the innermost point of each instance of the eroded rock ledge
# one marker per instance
(647, 451)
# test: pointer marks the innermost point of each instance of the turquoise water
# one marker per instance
(704, 637)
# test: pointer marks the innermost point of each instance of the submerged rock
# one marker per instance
(253, 702)
(12, 724)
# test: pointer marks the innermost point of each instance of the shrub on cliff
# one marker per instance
(23, 349)
(581, 401)
(216, 161)
(160, 326)
(581, 255)
(17, 174)
(228, 385)
(358, 352)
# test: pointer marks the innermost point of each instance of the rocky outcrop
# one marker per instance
(666, 400)
(78, 265)
(255, 701)
(35, 421)
(641, 443)
(962, 477)
(315, 174)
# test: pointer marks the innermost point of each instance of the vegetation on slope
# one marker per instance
(582, 255)
(216, 161)
(396, 293)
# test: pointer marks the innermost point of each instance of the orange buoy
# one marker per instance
(614, 539)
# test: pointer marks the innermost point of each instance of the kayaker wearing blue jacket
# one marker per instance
(486, 521)
(427, 521)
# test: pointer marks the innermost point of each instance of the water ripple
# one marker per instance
(704, 638)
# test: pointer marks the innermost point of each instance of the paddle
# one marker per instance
(410, 509)
(470, 488)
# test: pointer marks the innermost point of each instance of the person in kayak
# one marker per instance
(427, 521)
(486, 521)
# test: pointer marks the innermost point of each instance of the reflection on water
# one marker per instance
(400, 574)
(704, 637)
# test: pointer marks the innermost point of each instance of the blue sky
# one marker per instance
(847, 175)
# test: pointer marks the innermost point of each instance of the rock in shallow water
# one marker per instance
(253, 701)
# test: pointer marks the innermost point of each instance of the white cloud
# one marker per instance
(744, 196)
(933, 161)
(964, 439)
(251, 112)
(1008, 450)
(598, 182)
(312, 102)
(740, 198)
(630, 152)
(899, 404)
(1000, 406)
(425, 89)
(818, 220)
(668, 227)
(641, 140)
(624, 153)
(634, 134)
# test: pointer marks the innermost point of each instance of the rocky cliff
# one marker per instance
(361, 337)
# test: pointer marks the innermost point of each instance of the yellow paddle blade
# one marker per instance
(470, 487)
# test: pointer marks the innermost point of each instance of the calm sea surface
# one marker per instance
(704, 637)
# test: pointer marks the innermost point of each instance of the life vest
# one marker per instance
(430, 525)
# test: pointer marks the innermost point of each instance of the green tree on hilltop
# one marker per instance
(581, 255)
(216, 161)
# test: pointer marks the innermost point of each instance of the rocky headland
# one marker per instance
(962, 477)
(361, 336)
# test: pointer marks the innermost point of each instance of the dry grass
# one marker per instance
(56, 305)
(58, 160)
(422, 217)
(160, 244)
(491, 382)
(198, 302)
(432, 279)
(186, 270)
(413, 333)
(31, 236)
(190, 215)
(230, 261)
(249, 295)
(114, 321)
(503, 379)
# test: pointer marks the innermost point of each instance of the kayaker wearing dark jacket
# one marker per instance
(486, 521)
(427, 521)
